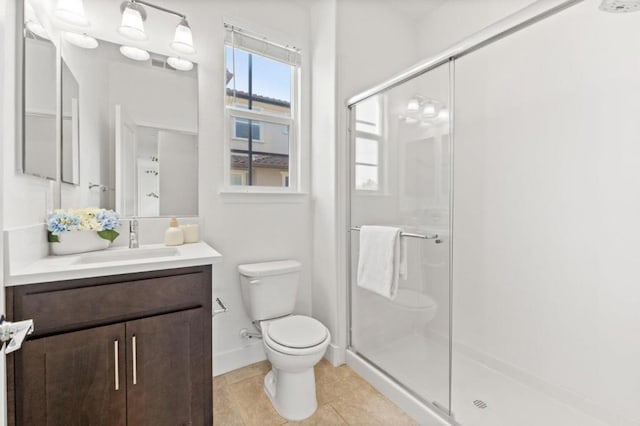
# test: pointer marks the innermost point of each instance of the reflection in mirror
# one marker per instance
(368, 145)
(137, 133)
(70, 127)
(39, 144)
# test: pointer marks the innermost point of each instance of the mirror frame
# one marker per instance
(20, 92)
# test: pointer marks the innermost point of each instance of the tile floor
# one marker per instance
(344, 398)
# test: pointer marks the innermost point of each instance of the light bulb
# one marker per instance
(429, 110)
(71, 12)
(413, 105)
(81, 40)
(131, 25)
(134, 53)
(183, 38)
(180, 64)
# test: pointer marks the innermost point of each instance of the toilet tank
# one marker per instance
(269, 288)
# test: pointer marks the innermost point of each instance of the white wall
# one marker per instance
(358, 56)
(455, 20)
(546, 208)
(178, 159)
(326, 293)
(154, 97)
(247, 228)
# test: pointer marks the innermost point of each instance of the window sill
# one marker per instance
(244, 195)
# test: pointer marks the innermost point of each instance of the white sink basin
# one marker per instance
(127, 254)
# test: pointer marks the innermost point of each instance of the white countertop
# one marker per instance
(59, 268)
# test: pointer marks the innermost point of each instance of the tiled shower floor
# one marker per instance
(422, 365)
(344, 398)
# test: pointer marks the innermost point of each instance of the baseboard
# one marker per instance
(237, 358)
(335, 355)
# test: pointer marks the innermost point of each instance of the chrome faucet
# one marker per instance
(133, 233)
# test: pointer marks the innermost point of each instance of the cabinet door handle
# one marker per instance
(134, 352)
(115, 364)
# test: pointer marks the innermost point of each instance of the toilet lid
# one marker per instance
(297, 331)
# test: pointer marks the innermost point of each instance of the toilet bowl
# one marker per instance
(294, 345)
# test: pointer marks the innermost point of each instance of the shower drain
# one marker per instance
(480, 404)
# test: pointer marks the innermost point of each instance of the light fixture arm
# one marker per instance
(160, 8)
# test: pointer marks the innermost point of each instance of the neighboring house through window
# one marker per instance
(261, 112)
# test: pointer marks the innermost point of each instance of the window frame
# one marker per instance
(291, 120)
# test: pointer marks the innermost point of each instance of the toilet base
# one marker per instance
(293, 395)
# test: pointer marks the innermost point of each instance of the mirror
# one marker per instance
(39, 113)
(128, 127)
(137, 132)
(70, 127)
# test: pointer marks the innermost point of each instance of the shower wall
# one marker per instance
(547, 208)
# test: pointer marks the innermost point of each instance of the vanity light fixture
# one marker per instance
(71, 12)
(429, 110)
(81, 40)
(183, 39)
(131, 25)
(413, 105)
(32, 22)
(135, 53)
(180, 64)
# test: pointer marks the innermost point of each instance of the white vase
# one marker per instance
(78, 242)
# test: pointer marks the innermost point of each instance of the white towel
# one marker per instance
(380, 259)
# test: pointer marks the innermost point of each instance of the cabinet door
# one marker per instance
(73, 379)
(165, 370)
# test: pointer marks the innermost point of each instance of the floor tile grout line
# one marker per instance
(337, 413)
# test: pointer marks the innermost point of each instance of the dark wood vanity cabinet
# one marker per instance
(130, 349)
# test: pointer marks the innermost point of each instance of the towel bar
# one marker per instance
(408, 234)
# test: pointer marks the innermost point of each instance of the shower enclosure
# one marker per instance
(513, 312)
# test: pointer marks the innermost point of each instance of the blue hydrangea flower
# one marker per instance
(109, 220)
(62, 222)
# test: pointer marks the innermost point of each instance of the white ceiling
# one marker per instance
(413, 9)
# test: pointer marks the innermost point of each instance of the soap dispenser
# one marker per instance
(173, 236)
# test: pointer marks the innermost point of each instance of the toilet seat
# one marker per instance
(295, 335)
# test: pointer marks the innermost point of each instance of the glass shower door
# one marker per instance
(400, 176)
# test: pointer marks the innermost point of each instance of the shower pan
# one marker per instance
(505, 150)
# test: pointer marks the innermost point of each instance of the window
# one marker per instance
(368, 145)
(241, 129)
(238, 177)
(261, 112)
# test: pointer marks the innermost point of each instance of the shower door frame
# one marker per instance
(520, 20)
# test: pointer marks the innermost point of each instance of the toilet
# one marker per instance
(294, 344)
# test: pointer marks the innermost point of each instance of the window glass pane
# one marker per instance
(238, 177)
(239, 167)
(269, 155)
(271, 82)
(242, 129)
(237, 77)
(368, 116)
(271, 85)
(366, 151)
(366, 177)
